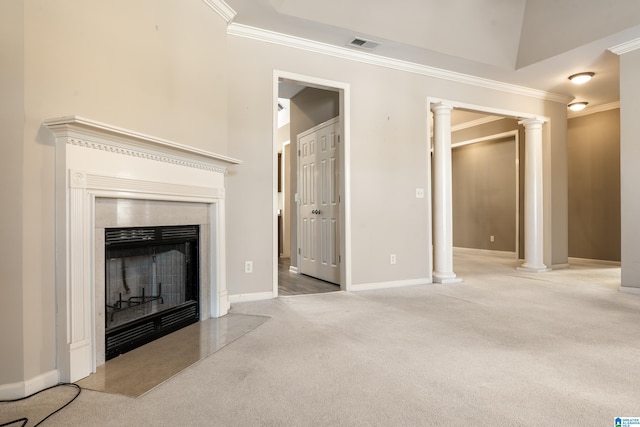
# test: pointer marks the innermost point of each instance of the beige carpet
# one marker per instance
(35, 409)
(138, 371)
(502, 348)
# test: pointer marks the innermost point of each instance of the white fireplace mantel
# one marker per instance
(93, 160)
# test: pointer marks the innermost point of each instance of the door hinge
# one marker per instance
(339, 259)
(338, 139)
(298, 153)
(299, 252)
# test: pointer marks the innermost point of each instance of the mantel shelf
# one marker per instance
(85, 126)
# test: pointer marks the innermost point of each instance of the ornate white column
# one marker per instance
(533, 224)
(442, 205)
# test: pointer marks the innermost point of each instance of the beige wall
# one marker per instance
(168, 69)
(389, 153)
(148, 66)
(12, 311)
(594, 186)
(629, 170)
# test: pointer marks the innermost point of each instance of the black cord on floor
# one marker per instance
(26, 420)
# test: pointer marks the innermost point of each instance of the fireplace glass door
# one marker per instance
(151, 284)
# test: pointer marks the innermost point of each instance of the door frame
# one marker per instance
(344, 90)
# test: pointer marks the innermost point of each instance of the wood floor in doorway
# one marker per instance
(299, 284)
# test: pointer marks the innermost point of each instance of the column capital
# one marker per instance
(440, 108)
(532, 122)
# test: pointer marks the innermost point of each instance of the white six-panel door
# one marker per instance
(319, 206)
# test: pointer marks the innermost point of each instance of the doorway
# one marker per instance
(538, 240)
(308, 102)
(486, 182)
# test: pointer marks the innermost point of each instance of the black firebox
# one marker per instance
(151, 284)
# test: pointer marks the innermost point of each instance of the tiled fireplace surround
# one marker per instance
(111, 177)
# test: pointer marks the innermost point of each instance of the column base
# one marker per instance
(533, 268)
(446, 278)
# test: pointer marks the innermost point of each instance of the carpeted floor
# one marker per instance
(503, 347)
(36, 409)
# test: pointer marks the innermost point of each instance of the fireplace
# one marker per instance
(112, 180)
(151, 284)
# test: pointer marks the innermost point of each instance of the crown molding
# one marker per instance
(258, 34)
(222, 9)
(626, 47)
(593, 110)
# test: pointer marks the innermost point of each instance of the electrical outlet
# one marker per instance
(419, 193)
(392, 259)
(491, 239)
(248, 267)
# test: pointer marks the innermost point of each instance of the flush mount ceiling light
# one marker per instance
(577, 106)
(581, 78)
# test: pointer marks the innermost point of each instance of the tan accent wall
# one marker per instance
(470, 230)
(594, 186)
(286, 223)
(484, 195)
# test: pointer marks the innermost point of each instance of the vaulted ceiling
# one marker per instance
(531, 43)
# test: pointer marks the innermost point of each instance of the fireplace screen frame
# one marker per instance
(150, 317)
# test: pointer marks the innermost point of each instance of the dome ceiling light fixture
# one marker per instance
(577, 106)
(581, 78)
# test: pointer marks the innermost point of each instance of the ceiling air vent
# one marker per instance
(363, 44)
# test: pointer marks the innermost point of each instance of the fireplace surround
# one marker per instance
(108, 177)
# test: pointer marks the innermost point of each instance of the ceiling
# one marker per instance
(531, 43)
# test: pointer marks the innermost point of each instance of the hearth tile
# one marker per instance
(138, 371)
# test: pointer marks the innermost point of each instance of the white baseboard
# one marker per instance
(257, 296)
(26, 388)
(594, 261)
(503, 254)
(293, 269)
(630, 290)
(394, 284)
